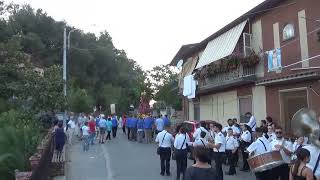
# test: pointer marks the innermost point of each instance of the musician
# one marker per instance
(245, 140)
(271, 134)
(219, 148)
(260, 146)
(231, 151)
(285, 148)
(314, 163)
(252, 121)
(235, 130)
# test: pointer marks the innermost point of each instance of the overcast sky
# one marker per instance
(150, 31)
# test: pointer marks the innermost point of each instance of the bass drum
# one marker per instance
(265, 161)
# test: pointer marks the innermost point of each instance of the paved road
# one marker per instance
(120, 159)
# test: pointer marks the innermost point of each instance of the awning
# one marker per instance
(222, 46)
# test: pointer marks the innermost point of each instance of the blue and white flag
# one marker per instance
(274, 60)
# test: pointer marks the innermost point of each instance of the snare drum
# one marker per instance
(265, 161)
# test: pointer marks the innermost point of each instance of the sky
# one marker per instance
(150, 31)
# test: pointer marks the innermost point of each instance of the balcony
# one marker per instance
(238, 76)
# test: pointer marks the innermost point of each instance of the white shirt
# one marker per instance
(181, 138)
(196, 134)
(314, 153)
(272, 136)
(235, 130)
(295, 146)
(252, 123)
(231, 143)
(246, 136)
(211, 135)
(220, 139)
(159, 124)
(258, 147)
(286, 144)
(199, 142)
(71, 124)
(167, 139)
(85, 131)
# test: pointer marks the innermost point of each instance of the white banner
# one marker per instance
(113, 108)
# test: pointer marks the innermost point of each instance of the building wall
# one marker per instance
(191, 111)
(259, 103)
(299, 47)
(273, 98)
(257, 45)
(219, 107)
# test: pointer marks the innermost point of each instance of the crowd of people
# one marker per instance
(209, 142)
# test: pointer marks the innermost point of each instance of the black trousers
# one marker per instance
(281, 172)
(165, 156)
(232, 157)
(114, 131)
(108, 135)
(264, 175)
(124, 129)
(129, 131)
(245, 155)
(218, 158)
(134, 134)
(181, 160)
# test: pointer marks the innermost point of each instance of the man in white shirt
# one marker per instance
(71, 128)
(165, 140)
(231, 125)
(231, 151)
(271, 134)
(245, 141)
(219, 148)
(285, 148)
(196, 134)
(181, 152)
(252, 121)
(259, 146)
(314, 163)
(159, 124)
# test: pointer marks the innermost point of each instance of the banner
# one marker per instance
(274, 60)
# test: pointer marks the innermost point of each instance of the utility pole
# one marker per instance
(65, 71)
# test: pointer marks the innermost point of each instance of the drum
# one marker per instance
(265, 161)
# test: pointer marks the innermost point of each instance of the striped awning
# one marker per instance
(222, 46)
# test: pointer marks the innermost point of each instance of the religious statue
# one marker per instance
(144, 107)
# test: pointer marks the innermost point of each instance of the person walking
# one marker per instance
(124, 122)
(85, 136)
(148, 123)
(165, 140)
(180, 149)
(159, 124)
(71, 129)
(231, 151)
(92, 128)
(59, 139)
(103, 128)
(128, 125)
(219, 148)
(201, 170)
(245, 141)
(134, 130)
(97, 127)
(114, 126)
(109, 128)
(140, 130)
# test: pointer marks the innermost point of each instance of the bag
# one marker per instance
(159, 148)
(174, 157)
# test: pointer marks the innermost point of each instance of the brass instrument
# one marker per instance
(305, 123)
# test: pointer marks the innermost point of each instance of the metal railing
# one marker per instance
(232, 75)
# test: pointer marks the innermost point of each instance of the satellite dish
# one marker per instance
(179, 64)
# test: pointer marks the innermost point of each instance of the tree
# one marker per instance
(164, 82)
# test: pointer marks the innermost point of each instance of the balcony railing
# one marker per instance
(233, 77)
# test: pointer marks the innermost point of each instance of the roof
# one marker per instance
(181, 53)
(256, 11)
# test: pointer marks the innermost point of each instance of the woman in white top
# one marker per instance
(180, 148)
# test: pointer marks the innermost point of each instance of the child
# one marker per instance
(109, 128)
(85, 136)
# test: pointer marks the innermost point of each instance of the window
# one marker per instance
(247, 41)
(291, 102)
(245, 105)
(288, 32)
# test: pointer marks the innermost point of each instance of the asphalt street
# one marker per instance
(120, 159)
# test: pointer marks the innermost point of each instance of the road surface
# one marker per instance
(120, 159)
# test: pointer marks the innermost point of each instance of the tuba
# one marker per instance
(305, 123)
